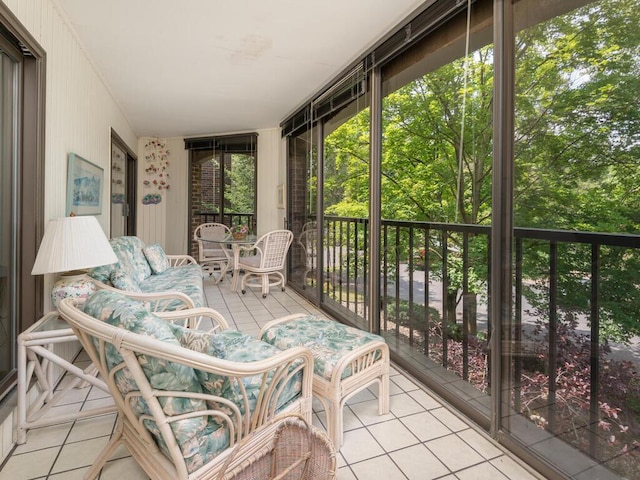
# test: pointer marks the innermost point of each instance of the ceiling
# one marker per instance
(188, 68)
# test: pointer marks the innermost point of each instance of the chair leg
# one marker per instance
(335, 423)
(383, 393)
(107, 452)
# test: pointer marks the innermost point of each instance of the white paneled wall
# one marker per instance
(80, 112)
(270, 175)
(177, 240)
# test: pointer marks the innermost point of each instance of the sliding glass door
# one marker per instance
(8, 170)
(505, 143)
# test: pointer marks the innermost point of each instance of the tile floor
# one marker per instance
(421, 438)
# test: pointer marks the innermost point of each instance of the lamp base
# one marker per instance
(72, 285)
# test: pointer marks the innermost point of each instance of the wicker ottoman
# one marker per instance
(346, 360)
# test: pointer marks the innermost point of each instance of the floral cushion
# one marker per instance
(121, 279)
(328, 340)
(186, 279)
(236, 347)
(156, 257)
(131, 255)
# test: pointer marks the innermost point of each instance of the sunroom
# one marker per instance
(464, 184)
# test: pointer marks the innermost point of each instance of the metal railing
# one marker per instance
(435, 296)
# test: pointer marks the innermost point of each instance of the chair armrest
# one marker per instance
(158, 301)
(193, 317)
(180, 260)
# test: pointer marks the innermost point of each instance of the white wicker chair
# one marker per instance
(308, 242)
(211, 253)
(265, 259)
(101, 340)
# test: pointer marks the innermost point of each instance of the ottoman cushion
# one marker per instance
(329, 341)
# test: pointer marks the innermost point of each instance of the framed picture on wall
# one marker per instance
(85, 182)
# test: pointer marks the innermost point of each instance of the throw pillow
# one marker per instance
(121, 279)
(156, 257)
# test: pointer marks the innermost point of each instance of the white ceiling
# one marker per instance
(193, 67)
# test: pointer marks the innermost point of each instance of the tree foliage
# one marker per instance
(577, 151)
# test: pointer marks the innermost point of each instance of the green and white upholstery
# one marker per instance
(346, 360)
(184, 396)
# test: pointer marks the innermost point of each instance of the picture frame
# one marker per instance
(85, 184)
(280, 196)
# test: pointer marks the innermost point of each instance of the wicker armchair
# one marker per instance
(211, 253)
(178, 432)
(308, 242)
(265, 259)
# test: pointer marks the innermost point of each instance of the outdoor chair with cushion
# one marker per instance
(185, 397)
(210, 252)
(265, 259)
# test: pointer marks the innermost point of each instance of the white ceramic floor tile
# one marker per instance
(449, 419)
(379, 467)
(361, 396)
(44, 437)
(359, 445)
(367, 412)
(77, 474)
(92, 427)
(403, 405)
(513, 469)
(480, 443)
(404, 383)
(125, 468)
(418, 463)
(79, 454)
(29, 465)
(454, 452)
(425, 426)
(393, 435)
(345, 473)
(424, 399)
(483, 471)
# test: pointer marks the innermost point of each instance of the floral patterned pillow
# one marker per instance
(156, 257)
(121, 279)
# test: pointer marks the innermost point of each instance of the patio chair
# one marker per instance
(181, 406)
(265, 260)
(308, 242)
(211, 250)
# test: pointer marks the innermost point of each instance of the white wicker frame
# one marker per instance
(158, 301)
(308, 242)
(369, 364)
(94, 335)
(265, 260)
(211, 255)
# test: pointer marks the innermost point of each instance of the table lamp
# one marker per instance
(70, 245)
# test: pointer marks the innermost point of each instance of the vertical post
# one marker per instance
(594, 414)
(375, 168)
(320, 227)
(502, 208)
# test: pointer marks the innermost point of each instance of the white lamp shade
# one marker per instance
(73, 243)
